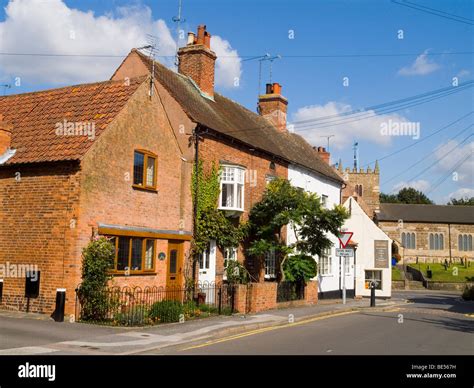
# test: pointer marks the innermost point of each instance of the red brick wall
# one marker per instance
(257, 167)
(37, 204)
(50, 215)
(107, 195)
(197, 62)
(311, 292)
(263, 296)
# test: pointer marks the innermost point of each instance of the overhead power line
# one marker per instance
(442, 179)
(367, 112)
(421, 140)
(434, 11)
(244, 57)
(405, 169)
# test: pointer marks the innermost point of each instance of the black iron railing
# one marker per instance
(137, 307)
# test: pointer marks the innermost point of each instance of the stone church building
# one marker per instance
(429, 233)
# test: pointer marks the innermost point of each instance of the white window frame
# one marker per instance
(325, 269)
(270, 270)
(235, 176)
(379, 283)
(324, 201)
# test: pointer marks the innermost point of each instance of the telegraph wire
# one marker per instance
(426, 157)
(245, 57)
(440, 181)
(433, 11)
(421, 140)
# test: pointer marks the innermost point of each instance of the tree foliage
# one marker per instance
(462, 201)
(407, 195)
(97, 260)
(285, 205)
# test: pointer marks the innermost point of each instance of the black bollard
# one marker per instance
(58, 314)
(372, 294)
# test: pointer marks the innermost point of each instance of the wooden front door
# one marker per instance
(174, 277)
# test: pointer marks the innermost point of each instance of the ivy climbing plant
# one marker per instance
(211, 223)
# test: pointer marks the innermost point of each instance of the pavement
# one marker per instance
(29, 334)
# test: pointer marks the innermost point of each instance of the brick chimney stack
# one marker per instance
(273, 106)
(323, 154)
(5, 135)
(197, 60)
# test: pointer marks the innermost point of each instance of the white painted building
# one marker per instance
(329, 266)
(373, 252)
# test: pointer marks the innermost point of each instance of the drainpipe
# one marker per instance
(196, 188)
(449, 241)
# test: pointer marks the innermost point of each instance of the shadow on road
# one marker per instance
(461, 324)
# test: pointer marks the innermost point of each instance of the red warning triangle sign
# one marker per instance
(344, 238)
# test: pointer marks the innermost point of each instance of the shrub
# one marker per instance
(166, 311)
(97, 259)
(205, 308)
(190, 309)
(135, 316)
(468, 293)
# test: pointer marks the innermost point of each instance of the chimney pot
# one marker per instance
(207, 40)
(273, 106)
(191, 38)
(276, 88)
(197, 60)
(269, 89)
(201, 32)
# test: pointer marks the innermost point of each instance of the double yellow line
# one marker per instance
(265, 329)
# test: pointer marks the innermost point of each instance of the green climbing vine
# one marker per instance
(212, 224)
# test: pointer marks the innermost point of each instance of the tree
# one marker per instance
(462, 201)
(407, 195)
(284, 205)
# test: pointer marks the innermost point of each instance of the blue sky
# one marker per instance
(313, 86)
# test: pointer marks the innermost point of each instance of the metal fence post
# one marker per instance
(219, 297)
(233, 288)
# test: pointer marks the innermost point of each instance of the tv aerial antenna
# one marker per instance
(178, 19)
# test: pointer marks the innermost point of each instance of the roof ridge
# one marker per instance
(426, 204)
(98, 83)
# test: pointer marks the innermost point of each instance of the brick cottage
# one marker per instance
(114, 158)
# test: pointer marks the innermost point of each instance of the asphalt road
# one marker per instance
(433, 324)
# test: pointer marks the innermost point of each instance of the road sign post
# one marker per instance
(344, 238)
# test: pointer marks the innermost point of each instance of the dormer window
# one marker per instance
(232, 188)
(144, 170)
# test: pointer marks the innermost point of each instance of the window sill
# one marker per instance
(151, 273)
(329, 275)
(151, 189)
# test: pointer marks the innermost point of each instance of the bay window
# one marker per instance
(232, 188)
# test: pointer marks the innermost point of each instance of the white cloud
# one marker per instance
(450, 155)
(463, 73)
(52, 27)
(228, 64)
(422, 66)
(369, 129)
(461, 193)
(420, 185)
